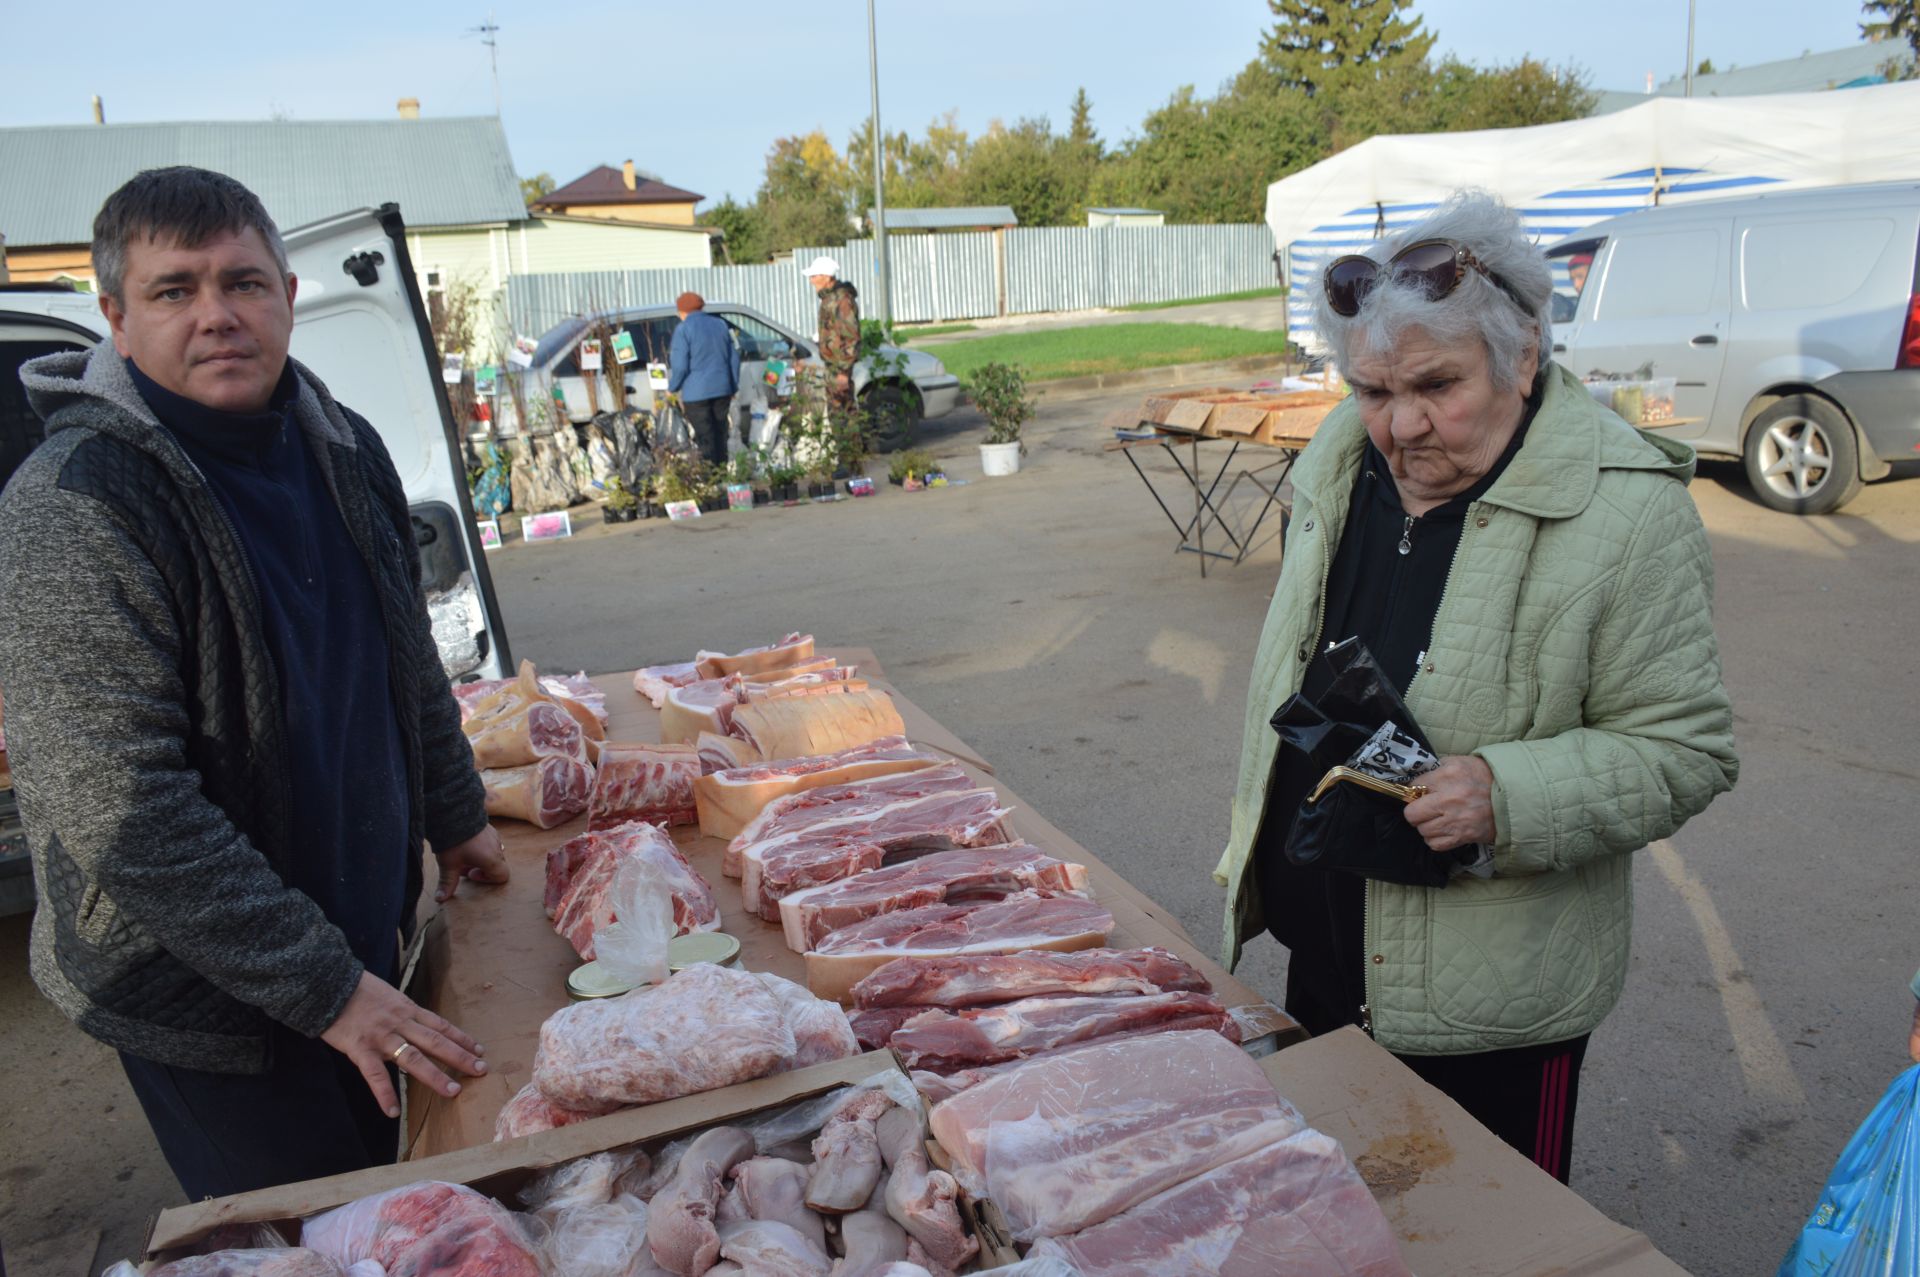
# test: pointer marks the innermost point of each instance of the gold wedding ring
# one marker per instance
(400, 1050)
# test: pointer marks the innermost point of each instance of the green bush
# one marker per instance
(1000, 392)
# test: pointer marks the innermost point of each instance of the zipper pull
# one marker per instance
(1366, 1019)
(1406, 537)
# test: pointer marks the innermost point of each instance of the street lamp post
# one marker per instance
(884, 279)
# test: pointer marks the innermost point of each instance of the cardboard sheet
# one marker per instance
(495, 967)
(1460, 1200)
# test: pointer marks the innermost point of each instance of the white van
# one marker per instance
(1791, 322)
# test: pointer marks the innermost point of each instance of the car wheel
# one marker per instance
(1801, 456)
(893, 411)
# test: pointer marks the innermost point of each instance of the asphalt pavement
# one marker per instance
(1048, 621)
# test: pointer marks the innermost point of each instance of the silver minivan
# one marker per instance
(1791, 322)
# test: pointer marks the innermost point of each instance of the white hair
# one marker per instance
(1478, 309)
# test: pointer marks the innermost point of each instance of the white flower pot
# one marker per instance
(1000, 458)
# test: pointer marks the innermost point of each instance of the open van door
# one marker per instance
(359, 323)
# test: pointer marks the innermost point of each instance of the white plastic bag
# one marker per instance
(599, 1240)
(634, 948)
(417, 1229)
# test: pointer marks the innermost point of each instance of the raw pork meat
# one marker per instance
(820, 1029)
(769, 1248)
(946, 877)
(1293, 1207)
(276, 1262)
(875, 1026)
(653, 783)
(705, 1027)
(429, 1229)
(830, 804)
(920, 1199)
(732, 796)
(846, 1167)
(565, 687)
(545, 793)
(830, 850)
(773, 1188)
(680, 1218)
(655, 681)
(804, 726)
(529, 1112)
(967, 982)
(943, 1041)
(530, 731)
(791, 650)
(711, 705)
(589, 864)
(872, 1241)
(719, 754)
(1024, 921)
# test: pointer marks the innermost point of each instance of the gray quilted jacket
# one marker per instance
(144, 726)
(1574, 652)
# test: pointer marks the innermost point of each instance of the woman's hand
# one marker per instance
(480, 858)
(1458, 808)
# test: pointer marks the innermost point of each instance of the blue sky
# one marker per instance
(698, 97)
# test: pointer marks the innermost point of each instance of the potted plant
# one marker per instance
(677, 479)
(784, 481)
(911, 464)
(1000, 392)
(621, 506)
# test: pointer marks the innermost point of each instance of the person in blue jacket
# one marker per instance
(1913, 1035)
(704, 370)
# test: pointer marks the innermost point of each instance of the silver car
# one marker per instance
(921, 388)
(1791, 322)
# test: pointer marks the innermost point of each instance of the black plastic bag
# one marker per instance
(1351, 828)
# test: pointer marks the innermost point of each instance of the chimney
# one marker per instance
(626, 174)
(99, 110)
(409, 108)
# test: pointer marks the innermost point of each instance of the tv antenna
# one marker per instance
(489, 33)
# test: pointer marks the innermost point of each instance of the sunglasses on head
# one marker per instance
(1436, 265)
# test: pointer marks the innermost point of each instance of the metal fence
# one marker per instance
(941, 277)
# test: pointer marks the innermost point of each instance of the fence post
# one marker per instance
(1000, 269)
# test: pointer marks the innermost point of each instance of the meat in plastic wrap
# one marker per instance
(705, 1027)
(530, 1112)
(1297, 1206)
(598, 1240)
(429, 1229)
(820, 1029)
(277, 1261)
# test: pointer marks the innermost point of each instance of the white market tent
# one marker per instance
(1563, 177)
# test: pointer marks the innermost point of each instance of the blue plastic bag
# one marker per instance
(1868, 1221)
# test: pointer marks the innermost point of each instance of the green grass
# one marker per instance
(1252, 294)
(1100, 348)
(908, 335)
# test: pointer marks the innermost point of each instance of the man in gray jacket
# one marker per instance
(230, 732)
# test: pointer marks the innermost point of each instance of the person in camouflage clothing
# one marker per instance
(839, 330)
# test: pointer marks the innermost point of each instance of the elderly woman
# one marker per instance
(1534, 577)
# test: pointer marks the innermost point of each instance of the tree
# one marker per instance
(743, 227)
(1316, 44)
(532, 188)
(1080, 127)
(1211, 159)
(1031, 171)
(1893, 20)
(1705, 67)
(803, 199)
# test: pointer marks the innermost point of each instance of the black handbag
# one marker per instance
(1349, 820)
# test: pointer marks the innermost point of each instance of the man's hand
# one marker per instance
(1913, 1036)
(1458, 808)
(381, 1025)
(479, 858)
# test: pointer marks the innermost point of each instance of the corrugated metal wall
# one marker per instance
(941, 277)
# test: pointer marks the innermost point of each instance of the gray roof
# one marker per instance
(442, 172)
(1153, 211)
(1809, 73)
(943, 219)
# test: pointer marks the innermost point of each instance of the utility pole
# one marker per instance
(489, 32)
(1689, 48)
(885, 280)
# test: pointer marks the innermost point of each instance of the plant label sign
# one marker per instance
(555, 525)
(657, 376)
(521, 356)
(739, 496)
(591, 356)
(681, 511)
(623, 350)
(452, 368)
(490, 534)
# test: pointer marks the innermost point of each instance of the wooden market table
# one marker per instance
(1281, 425)
(491, 962)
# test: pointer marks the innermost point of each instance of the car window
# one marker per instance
(758, 340)
(1790, 265)
(21, 430)
(1570, 265)
(1665, 273)
(652, 338)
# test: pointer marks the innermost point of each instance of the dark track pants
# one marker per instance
(309, 1115)
(708, 419)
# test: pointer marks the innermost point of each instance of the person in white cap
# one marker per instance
(839, 329)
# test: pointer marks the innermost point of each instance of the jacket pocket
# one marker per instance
(1511, 955)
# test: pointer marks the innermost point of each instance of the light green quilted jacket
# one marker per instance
(1574, 652)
